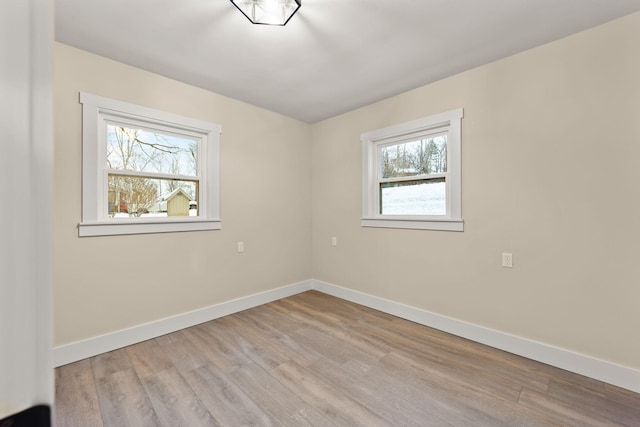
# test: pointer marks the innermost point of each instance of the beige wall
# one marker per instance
(551, 166)
(551, 173)
(104, 284)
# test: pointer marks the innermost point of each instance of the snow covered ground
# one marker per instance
(419, 199)
(192, 212)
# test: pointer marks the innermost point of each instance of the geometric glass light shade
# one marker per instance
(268, 12)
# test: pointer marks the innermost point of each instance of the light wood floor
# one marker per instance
(312, 359)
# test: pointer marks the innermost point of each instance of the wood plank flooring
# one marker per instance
(315, 360)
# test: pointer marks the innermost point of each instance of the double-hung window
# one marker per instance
(147, 171)
(411, 174)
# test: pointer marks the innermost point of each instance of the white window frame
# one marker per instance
(447, 122)
(96, 112)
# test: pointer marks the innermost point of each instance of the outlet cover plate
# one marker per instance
(507, 260)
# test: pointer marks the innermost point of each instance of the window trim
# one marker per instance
(449, 122)
(96, 112)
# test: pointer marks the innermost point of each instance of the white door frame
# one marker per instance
(26, 156)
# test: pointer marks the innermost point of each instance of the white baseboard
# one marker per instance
(601, 370)
(79, 350)
(608, 372)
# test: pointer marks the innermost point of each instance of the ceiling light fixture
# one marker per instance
(268, 12)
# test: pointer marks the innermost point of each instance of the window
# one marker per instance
(411, 174)
(147, 171)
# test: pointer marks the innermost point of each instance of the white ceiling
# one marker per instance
(333, 56)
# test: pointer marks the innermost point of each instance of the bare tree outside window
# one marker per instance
(419, 157)
(140, 151)
(426, 160)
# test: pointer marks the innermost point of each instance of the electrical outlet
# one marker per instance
(334, 241)
(507, 260)
(240, 247)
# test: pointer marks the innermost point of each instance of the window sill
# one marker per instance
(439, 225)
(137, 227)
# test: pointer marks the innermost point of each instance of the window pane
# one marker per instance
(143, 150)
(420, 197)
(132, 196)
(424, 156)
